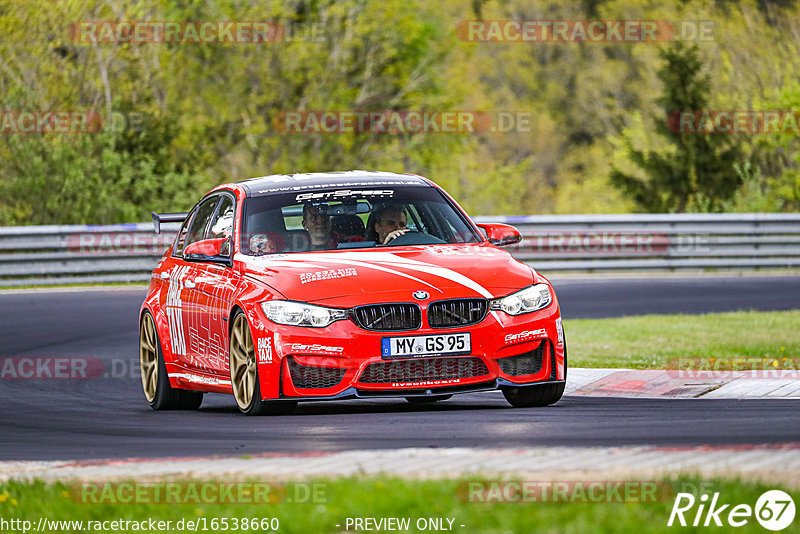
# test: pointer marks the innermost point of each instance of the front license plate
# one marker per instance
(419, 346)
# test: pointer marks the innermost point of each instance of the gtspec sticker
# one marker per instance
(330, 274)
(264, 350)
(560, 331)
(345, 193)
(527, 334)
(299, 347)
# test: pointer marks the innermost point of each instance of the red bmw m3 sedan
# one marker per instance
(355, 284)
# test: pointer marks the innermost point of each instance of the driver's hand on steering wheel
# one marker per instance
(395, 233)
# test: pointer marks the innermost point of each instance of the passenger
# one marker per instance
(318, 224)
(269, 243)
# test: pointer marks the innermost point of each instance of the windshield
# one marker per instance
(331, 219)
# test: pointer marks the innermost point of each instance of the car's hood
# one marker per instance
(352, 277)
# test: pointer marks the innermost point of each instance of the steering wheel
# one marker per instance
(413, 237)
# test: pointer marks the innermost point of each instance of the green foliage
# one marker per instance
(774, 181)
(754, 194)
(208, 110)
(99, 178)
(697, 170)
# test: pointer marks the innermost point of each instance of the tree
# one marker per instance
(696, 170)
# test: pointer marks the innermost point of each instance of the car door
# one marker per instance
(212, 293)
(174, 294)
(195, 337)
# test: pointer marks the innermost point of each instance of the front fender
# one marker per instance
(267, 358)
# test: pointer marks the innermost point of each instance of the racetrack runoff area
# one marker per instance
(381, 458)
(685, 384)
(767, 463)
(779, 463)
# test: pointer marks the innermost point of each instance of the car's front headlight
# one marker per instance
(526, 300)
(301, 314)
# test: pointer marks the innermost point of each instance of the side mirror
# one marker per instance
(211, 250)
(501, 235)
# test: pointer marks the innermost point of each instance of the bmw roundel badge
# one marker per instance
(420, 295)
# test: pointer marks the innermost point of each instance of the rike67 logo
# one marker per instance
(774, 510)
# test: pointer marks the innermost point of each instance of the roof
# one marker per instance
(282, 183)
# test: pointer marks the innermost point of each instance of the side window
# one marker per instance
(202, 218)
(180, 240)
(222, 225)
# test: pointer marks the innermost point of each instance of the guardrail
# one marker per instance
(589, 243)
(661, 242)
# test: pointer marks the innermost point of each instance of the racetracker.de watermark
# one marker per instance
(565, 491)
(611, 243)
(187, 31)
(47, 122)
(765, 367)
(118, 243)
(741, 121)
(67, 368)
(68, 122)
(402, 121)
(625, 243)
(199, 492)
(584, 31)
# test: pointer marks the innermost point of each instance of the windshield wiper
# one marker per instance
(357, 244)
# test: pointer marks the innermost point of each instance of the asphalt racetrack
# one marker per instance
(107, 417)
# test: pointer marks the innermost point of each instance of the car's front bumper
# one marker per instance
(344, 361)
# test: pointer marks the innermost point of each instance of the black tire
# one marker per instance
(427, 400)
(260, 407)
(534, 396)
(254, 406)
(537, 396)
(166, 397)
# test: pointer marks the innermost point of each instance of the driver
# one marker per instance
(390, 222)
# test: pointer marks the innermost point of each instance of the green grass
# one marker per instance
(651, 341)
(391, 497)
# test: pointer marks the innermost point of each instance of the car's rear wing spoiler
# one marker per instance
(158, 218)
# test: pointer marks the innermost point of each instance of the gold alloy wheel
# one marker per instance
(243, 362)
(148, 357)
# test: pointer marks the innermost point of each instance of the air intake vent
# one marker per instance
(307, 377)
(388, 317)
(423, 369)
(458, 312)
(523, 364)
